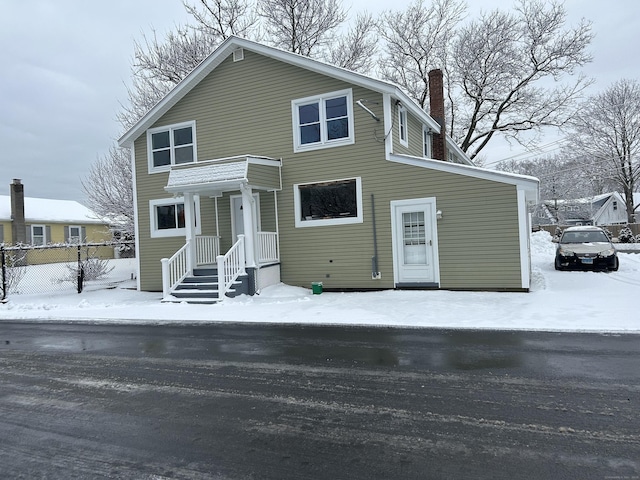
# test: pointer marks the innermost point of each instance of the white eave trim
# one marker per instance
(232, 43)
(528, 184)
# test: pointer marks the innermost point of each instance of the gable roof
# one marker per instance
(45, 210)
(230, 44)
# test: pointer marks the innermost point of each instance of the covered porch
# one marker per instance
(201, 271)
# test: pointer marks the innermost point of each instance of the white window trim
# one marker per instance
(427, 151)
(72, 237)
(323, 143)
(403, 121)
(44, 234)
(175, 126)
(174, 232)
(299, 223)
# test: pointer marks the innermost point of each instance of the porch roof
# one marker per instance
(213, 177)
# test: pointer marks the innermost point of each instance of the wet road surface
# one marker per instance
(287, 402)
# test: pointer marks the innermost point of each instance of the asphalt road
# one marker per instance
(276, 402)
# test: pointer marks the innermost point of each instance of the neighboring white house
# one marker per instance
(604, 209)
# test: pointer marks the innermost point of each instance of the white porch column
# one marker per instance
(190, 231)
(248, 220)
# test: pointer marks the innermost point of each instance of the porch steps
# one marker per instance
(202, 287)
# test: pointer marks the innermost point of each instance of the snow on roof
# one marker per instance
(207, 174)
(46, 210)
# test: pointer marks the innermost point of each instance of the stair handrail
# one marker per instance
(175, 269)
(230, 267)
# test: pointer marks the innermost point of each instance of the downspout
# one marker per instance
(375, 272)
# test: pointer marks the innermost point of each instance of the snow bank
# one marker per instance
(558, 301)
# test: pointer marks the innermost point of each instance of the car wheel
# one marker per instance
(616, 264)
(557, 265)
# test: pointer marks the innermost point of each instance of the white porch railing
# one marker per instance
(230, 267)
(207, 250)
(175, 269)
(268, 247)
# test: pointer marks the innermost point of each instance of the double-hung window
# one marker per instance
(172, 145)
(426, 142)
(74, 234)
(403, 128)
(328, 203)
(38, 235)
(323, 121)
(168, 217)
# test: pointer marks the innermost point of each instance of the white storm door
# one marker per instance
(413, 241)
(237, 212)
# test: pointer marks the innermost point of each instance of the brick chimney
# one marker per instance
(436, 110)
(18, 227)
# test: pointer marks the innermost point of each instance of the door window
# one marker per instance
(414, 238)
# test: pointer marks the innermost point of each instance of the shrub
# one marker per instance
(626, 235)
(15, 269)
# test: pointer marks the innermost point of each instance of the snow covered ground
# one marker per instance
(558, 301)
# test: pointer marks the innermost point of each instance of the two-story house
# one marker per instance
(275, 167)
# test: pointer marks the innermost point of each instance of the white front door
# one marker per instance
(237, 218)
(414, 241)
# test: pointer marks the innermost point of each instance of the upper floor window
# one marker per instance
(168, 217)
(403, 129)
(172, 145)
(323, 121)
(426, 142)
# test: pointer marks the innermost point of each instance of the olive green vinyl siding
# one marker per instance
(471, 254)
(244, 108)
(264, 176)
(414, 127)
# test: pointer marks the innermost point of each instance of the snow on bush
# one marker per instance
(626, 235)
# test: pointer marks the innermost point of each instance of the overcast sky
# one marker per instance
(64, 65)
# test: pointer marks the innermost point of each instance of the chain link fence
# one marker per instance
(64, 268)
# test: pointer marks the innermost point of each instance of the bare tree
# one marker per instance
(509, 72)
(607, 133)
(301, 26)
(506, 72)
(222, 18)
(415, 42)
(159, 65)
(109, 189)
(356, 49)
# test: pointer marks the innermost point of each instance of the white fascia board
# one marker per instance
(388, 124)
(136, 216)
(459, 152)
(528, 184)
(415, 109)
(227, 47)
(523, 234)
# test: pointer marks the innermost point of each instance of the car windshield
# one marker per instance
(584, 237)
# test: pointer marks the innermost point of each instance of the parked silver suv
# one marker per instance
(585, 247)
